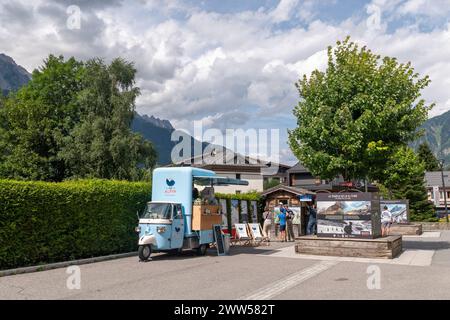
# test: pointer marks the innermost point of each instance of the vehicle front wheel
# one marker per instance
(144, 252)
(201, 251)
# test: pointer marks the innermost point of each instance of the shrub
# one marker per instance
(44, 222)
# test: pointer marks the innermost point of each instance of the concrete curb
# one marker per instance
(63, 264)
(434, 226)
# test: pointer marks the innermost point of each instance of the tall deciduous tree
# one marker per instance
(404, 174)
(352, 117)
(102, 144)
(426, 155)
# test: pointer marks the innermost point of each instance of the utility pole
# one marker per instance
(441, 162)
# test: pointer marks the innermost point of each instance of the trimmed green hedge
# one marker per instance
(42, 222)
(241, 196)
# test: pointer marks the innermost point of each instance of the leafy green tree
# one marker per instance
(352, 117)
(426, 155)
(405, 174)
(102, 144)
(36, 118)
(270, 183)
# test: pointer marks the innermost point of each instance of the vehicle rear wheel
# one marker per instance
(201, 251)
(144, 252)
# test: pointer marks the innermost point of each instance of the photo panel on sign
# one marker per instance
(254, 205)
(399, 210)
(223, 205)
(345, 228)
(297, 214)
(244, 211)
(344, 207)
(234, 212)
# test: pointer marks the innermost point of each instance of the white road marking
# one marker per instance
(276, 288)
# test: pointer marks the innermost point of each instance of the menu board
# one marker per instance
(218, 238)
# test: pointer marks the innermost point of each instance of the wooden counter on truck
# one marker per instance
(205, 216)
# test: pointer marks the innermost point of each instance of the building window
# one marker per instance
(238, 191)
(238, 176)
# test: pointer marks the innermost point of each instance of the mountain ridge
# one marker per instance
(12, 75)
(437, 136)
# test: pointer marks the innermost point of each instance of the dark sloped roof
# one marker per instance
(298, 168)
(434, 178)
(219, 158)
(294, 190)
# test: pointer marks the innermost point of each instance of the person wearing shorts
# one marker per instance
(282, 218)
(386, 221)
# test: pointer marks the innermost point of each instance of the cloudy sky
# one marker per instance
(229, 63)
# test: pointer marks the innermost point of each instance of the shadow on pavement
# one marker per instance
(186, 254)
(426, 245)
(262, 249)
(234, 250)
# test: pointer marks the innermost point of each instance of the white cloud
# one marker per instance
(231, 70)
(283, 11)
(432, 8)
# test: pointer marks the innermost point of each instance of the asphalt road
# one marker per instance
(274, 272)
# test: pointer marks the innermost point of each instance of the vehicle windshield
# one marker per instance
(157, 211)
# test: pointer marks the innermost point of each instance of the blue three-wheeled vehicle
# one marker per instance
(166, 225)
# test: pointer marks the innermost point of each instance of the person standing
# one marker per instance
(289, 226)
(296, 222)
(276, 221)
(312, 216)
(386, 220)
(282, 220)
(268, 216)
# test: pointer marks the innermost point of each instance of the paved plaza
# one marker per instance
(422, 271)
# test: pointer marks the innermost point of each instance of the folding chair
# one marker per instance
(256, 233)
(242, 236)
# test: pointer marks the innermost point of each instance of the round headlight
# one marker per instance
(137, 229)
(161, 229)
